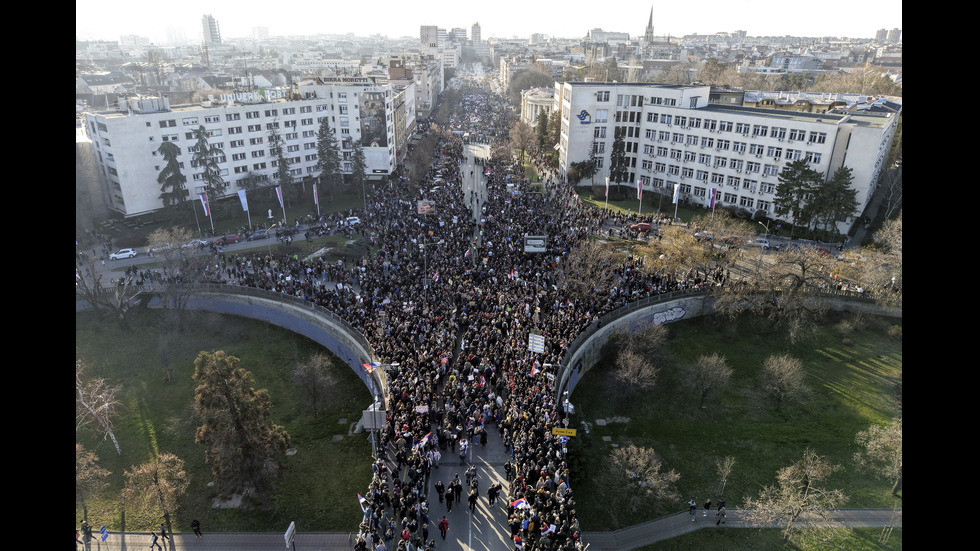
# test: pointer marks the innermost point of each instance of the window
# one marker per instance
(241, 169)
(724, 126)
(659, 167)
(258, 153)
(168, 123)
(213, 118)
(190, 121)
(760, 131)
(717, 178)
(663, 136)
(272, 125)
(692, 139)
(271, 112)
(648, 149)
(764, 206)
(749, 185)
(342, 97)
(738, 147)
(695, 122)
(707, 142)
(290, 136)
(259, 166)
(342, 110)
(756, 149)
(651, 117)
(344, 121)
(701, 175)
(704, 159)
(599, 132)
(255, 141)
(730, 198)
(677, 137)
(778, 132)
(255, 128)
(665, 119)
(793, 154)
(252, 115)
(689, 156)
(736, 165)
(746, 202)
(235, 130)
(724, 145)
(675, 154)
(767, 188)
(602, 116)
(238, 157)
(752, 167)
(742, 128)
(818, 137)
(774, 152)
(710, 124)
(687, 172)
(721, 162)
(237, 143)
(681, 121)
(732, 181)
(311, 133)
(651, 133)
(797, 134)
(292, 148)
(289, 111)
(602, 96)
(812, 157)
(661, 151)
(646, 164)
(770, 170)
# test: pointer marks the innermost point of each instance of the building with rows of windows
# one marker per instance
(676, 139)
(126, 140)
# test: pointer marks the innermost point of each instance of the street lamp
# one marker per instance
(766, 225)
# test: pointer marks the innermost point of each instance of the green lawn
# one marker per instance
(158, 417)
(852, 378)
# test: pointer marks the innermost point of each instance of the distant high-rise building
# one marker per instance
(475, 33)
(211, 33)
(881, 35)
(895, 36)
(429, 35)
(458, 34)
(260, 33)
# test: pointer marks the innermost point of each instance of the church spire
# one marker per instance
(648, 35)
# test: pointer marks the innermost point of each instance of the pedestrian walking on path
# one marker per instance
(196, 526)
(721, 515)
(694, 509)
(443, 526)
(707, 507)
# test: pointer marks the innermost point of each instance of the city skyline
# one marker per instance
(111, 19)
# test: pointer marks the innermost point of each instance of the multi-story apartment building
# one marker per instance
(126, 140)
(675, 139)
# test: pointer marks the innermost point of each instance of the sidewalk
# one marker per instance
(620, 540)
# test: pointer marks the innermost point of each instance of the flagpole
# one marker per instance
(196, 220)
(639, 195)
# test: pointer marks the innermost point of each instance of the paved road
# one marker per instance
(473, 538)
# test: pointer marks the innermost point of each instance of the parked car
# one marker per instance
(259, 234)
(195, 243)
(352, 221)
(759, 242)
(122, 253)
(641, 227)
(228, 239)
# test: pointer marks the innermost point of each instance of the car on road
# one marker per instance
(122, 253)
(195, 243)
(759, 242)
(259, 234)
(641, 227)
(228, 239)
(352, 221)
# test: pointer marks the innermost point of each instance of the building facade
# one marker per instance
(212, 34)
(676, 139)
(126, 140)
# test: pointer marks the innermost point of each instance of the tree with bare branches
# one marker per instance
(153, 489)
(799, 503)
(783, 379)
(96, 403)
(881, 452)
(314, 378)
(90, 477)
(108, 299)
(633, 475)
(588, 270)
(709, 373)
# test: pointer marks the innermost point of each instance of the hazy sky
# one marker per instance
(110, 19)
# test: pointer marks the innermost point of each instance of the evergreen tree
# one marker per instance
(618, 163)
(835, 200)
(358, 175)
(206, 157)
(173, 190)
(328, 157)
(283, 178)
(797, 184)
(243, 446)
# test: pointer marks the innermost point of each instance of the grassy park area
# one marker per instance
(852, 368)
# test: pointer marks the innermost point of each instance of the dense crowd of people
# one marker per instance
(451, 299)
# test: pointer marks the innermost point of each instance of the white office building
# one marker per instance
(675, 139)
(126, 140)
